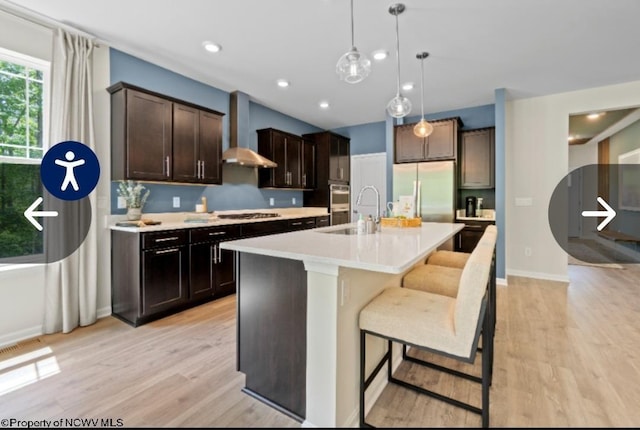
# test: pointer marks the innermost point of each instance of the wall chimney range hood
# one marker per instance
(239, 118)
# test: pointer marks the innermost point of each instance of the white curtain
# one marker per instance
(71, 284)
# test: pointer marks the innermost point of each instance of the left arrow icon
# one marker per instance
(31, 213)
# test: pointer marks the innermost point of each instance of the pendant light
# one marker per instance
(422, 128)
(399, 106)
(353, 66)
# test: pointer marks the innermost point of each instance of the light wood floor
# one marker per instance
(566, 356)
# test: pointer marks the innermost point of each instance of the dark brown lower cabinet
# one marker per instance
(467, 239)
(212, 269)
(165, 279)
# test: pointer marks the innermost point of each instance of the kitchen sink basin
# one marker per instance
(347, 230)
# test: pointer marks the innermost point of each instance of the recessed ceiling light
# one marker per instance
(380, 54)
(407, 86)
(595, 115)
(324, 104)
(282, 83)
(211, 47)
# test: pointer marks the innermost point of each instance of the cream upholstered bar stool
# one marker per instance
(444, 325)
(443, 269)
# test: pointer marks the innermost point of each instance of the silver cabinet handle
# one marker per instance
(198, 169)
(219, 254)
(310, 222)
(215, 254)
(217, 233)
(166, 239)
(296, 223)
(202, 174)
(460, 241)
(166, 251)
(167, 164)
(304, 179)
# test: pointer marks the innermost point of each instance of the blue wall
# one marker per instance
(239, 190)
(365, 138)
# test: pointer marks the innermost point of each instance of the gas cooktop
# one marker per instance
(248, 215)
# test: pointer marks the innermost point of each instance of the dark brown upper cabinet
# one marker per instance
(441, 144)
(159, 138)
(333, 158)
(295, 158)
(477, 158)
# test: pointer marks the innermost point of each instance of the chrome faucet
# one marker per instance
(375, 190)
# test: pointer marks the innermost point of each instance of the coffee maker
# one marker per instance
(471, 203)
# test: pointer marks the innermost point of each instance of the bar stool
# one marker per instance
(436, 323)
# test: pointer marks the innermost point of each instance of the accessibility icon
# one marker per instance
(70, 170)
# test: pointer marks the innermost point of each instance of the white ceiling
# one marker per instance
(530, 47)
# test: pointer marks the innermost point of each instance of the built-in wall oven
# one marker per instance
(339, 204)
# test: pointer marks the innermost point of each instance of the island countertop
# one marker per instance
(390, 250)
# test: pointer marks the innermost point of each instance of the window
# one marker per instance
(24, 88)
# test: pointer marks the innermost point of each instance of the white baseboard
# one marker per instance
(502, 281)
(538, 275)
(20, 335)
(35, 331)
(103, 312)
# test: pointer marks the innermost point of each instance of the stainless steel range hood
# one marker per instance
(238, 152)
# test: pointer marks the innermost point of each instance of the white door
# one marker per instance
(368, 169)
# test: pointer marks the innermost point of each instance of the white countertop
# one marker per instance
(390, 250)
(488, 215)
(176, 220)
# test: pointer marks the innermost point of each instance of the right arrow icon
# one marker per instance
(609, 213)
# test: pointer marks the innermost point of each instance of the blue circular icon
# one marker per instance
(70, 170)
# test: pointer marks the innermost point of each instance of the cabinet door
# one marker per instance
(469, 237)
(148, 137)
(334, 159)
(279, 155)
(294, 157)
(185, 144)
(210, 148)
(408, 146)
(477, 159)
(225, 272)
(164, 279)
(344, 160)
(442, 142)
(202, 257)
(308, 165)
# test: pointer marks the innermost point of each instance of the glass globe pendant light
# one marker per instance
(353, 66)
(422, 128)
(399, 106)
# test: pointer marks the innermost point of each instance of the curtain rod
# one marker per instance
(43, 21)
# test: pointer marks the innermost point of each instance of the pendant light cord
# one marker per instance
(353, 43)
(422, 82)
(398, 56)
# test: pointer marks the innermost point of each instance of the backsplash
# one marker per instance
(238, 192)
(487, 195)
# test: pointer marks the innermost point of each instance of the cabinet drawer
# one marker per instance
(322, 221)
(164, 239)
(301, 223)
(263, 228)
(214, 234)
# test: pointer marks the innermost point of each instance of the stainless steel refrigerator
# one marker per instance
(432, 186)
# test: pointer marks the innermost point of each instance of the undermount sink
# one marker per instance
(347, 230)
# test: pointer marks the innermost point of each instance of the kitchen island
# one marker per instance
(299, 296)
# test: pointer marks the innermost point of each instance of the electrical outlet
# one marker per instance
(271, 201)
(527, 251)
(176, 202)
(293, 200)
(122, 203)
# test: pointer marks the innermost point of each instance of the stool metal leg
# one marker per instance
(362, 376)
(487, 362)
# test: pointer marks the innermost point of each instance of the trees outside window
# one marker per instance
(24, 84)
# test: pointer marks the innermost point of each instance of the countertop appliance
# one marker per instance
(432, 186)
(471, 203)
(339, 203)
